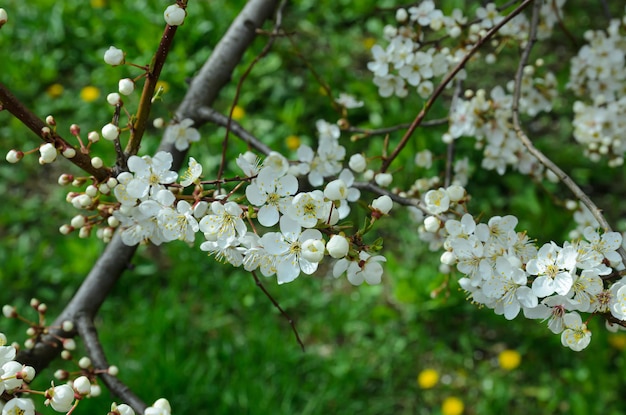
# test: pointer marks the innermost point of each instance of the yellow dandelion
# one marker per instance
(368, 42)
(452, 406)
(54, 90)
(292, 142)
(238, 113)
(163, 84)
(509, 359)
(427, 378)
(98, 4)
(618, 341)
(89, 93)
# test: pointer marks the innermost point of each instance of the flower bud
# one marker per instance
(9, 311)
(432, 224)
(448, 258)
(13, 156)
(48, 153)
(3, 17)
(69, 153)
(74, 129)
(336, 190)
(114, 99)
(455, 193)
(313, 250)
(97, 162)
(61, 398)
(338, 246)
(93, 137)
(122, 409)
(82, 385)
(78, 221)
(69, 344)
(114, 56)
(84, 362)
(67, 326)
(174, 15)
(65, 229)
(383, 179)
(113, 370)
(357, 163)
(110, 132)
(50, 121)
(126, 86)
(383, 204)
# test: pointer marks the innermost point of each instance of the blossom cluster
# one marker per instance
(426, 44)
(504, 270)
(599, 72)
(153, 206)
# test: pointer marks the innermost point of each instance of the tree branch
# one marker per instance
(17, 108)
(87, 332)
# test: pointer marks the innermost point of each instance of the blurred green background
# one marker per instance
(202, 334)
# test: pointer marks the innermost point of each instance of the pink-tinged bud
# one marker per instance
(13, 156)
(50, 121)
(114, 56)
(65, 229)
(3, 17)
(65, 179)
(74, 129)
(9, 311)
(174, 15)
(69, 344)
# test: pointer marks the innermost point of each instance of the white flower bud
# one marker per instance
(28, 373)
(9, 311)
(50, 120)
(313, 250)
(401, 15)
(93, 137)
(104, 188)
(84, 232)
(65, 229)
(455, 193)
(84, 200)
(336, 190)
(96, 390)
(123, 409)
(158, 123)
(448, 258)
(3, 17)
(368, 175)
(114, 56)
(29, 344)
(432, 224)
(91, 191)
(113, 222)
(383, 204)
(126, 86)
(69, 344)
(383, 179)
(114, 99)
(13, 156)
(113, 370)
(84, 362)
(82, 385)
(338, 246)
(174, 15)
(163, 403)
(67, 326)
(61, 374)
(357, 163)
(110, 132)
(62, 398)
(78, 221)
(66, 355)
(97, 162)
(69, 153)
(48, 152)
(424, 159)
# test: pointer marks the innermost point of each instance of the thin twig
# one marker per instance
(438, 91)
(543, 159)
(27, 117)
(394, 128)
(210, 115)
(87, 331)
(257, 59)
(289, 319)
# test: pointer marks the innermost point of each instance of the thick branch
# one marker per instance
(87, 332)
